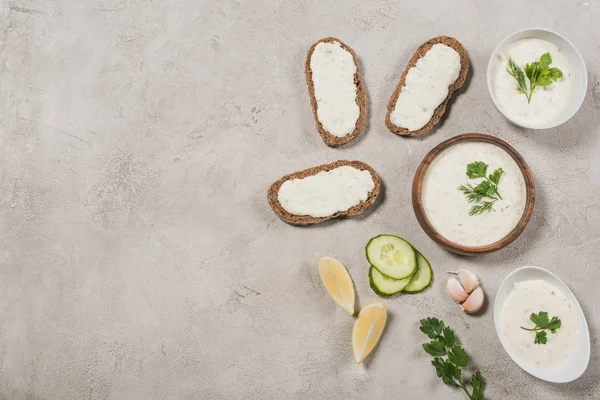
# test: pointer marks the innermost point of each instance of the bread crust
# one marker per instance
(361, 98)
(285, 216)
(441, 109)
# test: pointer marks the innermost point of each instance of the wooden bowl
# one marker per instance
(417, 198)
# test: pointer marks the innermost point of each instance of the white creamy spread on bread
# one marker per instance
(326, 192)
(426, 87)
(447, 208)
(333, 71)
(533, 296)
(547, 102)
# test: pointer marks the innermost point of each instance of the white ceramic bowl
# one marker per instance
(575, 60)
(577, 361)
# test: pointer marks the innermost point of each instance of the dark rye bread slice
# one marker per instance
(361, 98)
(441, 109)
(272, 193)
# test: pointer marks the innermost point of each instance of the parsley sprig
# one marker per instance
(485, 194)
(539, 73)
(542, 324)
(443, 344)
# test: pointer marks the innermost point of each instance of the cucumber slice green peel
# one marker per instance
(392, 256)
(390, 252)
(384, 286)
(423, 278)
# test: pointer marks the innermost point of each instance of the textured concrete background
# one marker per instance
(138, 256)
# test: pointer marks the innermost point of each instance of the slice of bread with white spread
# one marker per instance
(336, 91)
(313, 195)
(437, 69)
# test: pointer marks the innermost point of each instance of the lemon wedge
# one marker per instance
(338, 282)
(368, 328)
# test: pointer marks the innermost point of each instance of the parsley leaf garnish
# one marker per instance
(477, 169)
(432, 327)
(542, 324)
(540, 318)
(541, 337)
(538, 73)
(495, 177)
(477, 383)
(434, 348)
(448, 338)
(458, 356)
(485, 194)
(443, 344)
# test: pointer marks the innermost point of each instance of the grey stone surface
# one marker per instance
(139, 258)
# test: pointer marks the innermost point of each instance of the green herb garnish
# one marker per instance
(443, 343)
(485, 194)
(543, 324)
(539, 73)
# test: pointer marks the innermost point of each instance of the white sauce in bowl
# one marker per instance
(533, 296)
(426, 87)
(447, 208)
(333, 71)
(326, 192)
(547, 102)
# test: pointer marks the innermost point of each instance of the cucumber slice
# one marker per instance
(384, 286)
(422, 279)
(394, 257)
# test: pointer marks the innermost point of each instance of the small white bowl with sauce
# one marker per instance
(574, 360)
(551, 105)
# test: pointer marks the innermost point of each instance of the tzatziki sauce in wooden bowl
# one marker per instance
(473, 194)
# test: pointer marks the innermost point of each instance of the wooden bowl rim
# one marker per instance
(417, 198)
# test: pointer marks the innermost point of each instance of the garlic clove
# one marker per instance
(467, 279)
(474, 302)
(455, 290)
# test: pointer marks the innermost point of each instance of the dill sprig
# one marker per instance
(516, 72)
